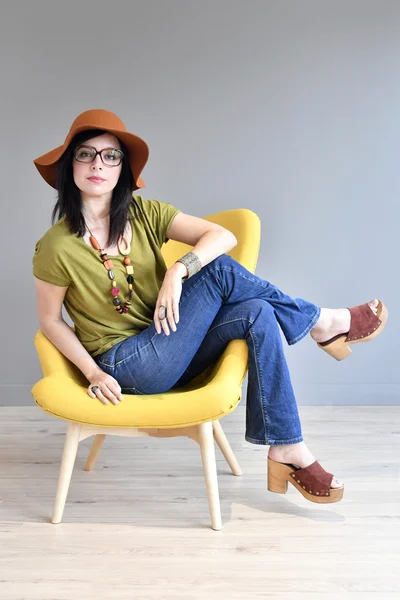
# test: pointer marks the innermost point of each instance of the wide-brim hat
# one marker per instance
(97, 118)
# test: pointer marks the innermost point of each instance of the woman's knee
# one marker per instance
(223, 260)
(253, 309)
(260, 310)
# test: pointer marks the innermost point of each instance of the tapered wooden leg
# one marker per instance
(94, 451)
(206, 441)
(67, 465)
(226, 449)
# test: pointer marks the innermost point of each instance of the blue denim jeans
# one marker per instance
(222, 302)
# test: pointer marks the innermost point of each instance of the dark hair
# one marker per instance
(69, 198)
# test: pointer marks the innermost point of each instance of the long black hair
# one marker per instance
(69, 198)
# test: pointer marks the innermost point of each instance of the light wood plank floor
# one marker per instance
(137, 527)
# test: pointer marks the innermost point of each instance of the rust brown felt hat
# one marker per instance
(97, 118)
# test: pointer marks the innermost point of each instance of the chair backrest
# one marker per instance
(246, 227)
(243, 223)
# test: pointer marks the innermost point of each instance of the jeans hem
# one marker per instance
(311, 324)
(273, 442)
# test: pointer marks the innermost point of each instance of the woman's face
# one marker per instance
(82, 171)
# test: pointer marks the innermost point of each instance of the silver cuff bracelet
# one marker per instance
(191, 262)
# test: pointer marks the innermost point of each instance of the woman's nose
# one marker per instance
(97, 162)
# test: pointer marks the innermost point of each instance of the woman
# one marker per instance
(141, 328)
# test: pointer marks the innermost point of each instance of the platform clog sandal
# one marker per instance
(364, 325)
(313, 482)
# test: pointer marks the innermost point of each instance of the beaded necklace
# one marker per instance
(109, 266)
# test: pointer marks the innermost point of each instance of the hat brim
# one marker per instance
(137, 148)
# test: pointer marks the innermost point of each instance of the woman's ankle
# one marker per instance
(298, 453)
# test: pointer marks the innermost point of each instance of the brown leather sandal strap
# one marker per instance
(363, 322)
(314, 479)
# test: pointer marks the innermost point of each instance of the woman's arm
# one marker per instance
(63, 338)
(49, 301)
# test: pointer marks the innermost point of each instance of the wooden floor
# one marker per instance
(137, 527)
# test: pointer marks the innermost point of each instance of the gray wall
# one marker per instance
(289, 108)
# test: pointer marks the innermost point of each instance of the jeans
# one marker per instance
(222, 302)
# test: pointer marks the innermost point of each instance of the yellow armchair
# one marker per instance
(193, 410)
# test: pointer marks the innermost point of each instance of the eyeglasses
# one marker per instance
(111, 157)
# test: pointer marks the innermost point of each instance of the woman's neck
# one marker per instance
(96, 211)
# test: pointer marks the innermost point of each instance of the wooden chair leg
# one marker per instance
(206, 441)
(226, 449)
(94, 451)
(67, 464)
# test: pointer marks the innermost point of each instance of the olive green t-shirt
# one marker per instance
(65, 259)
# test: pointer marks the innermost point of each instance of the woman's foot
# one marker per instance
(296, 454)
(333, 321)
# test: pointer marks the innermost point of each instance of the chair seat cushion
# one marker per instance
(209, 396)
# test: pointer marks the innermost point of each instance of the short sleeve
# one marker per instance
(161, 215)
(48, 265)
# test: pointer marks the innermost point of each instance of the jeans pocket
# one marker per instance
(132, 391)
(110, 370)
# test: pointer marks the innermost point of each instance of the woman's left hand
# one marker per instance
(169, 296)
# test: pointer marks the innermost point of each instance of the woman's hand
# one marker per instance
(169, 296)
(109, 388)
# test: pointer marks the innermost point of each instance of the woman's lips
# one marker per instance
(96, 179)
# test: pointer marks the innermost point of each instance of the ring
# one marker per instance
(161, 313)
(94, 388)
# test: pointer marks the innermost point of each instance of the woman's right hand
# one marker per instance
(108, 390)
